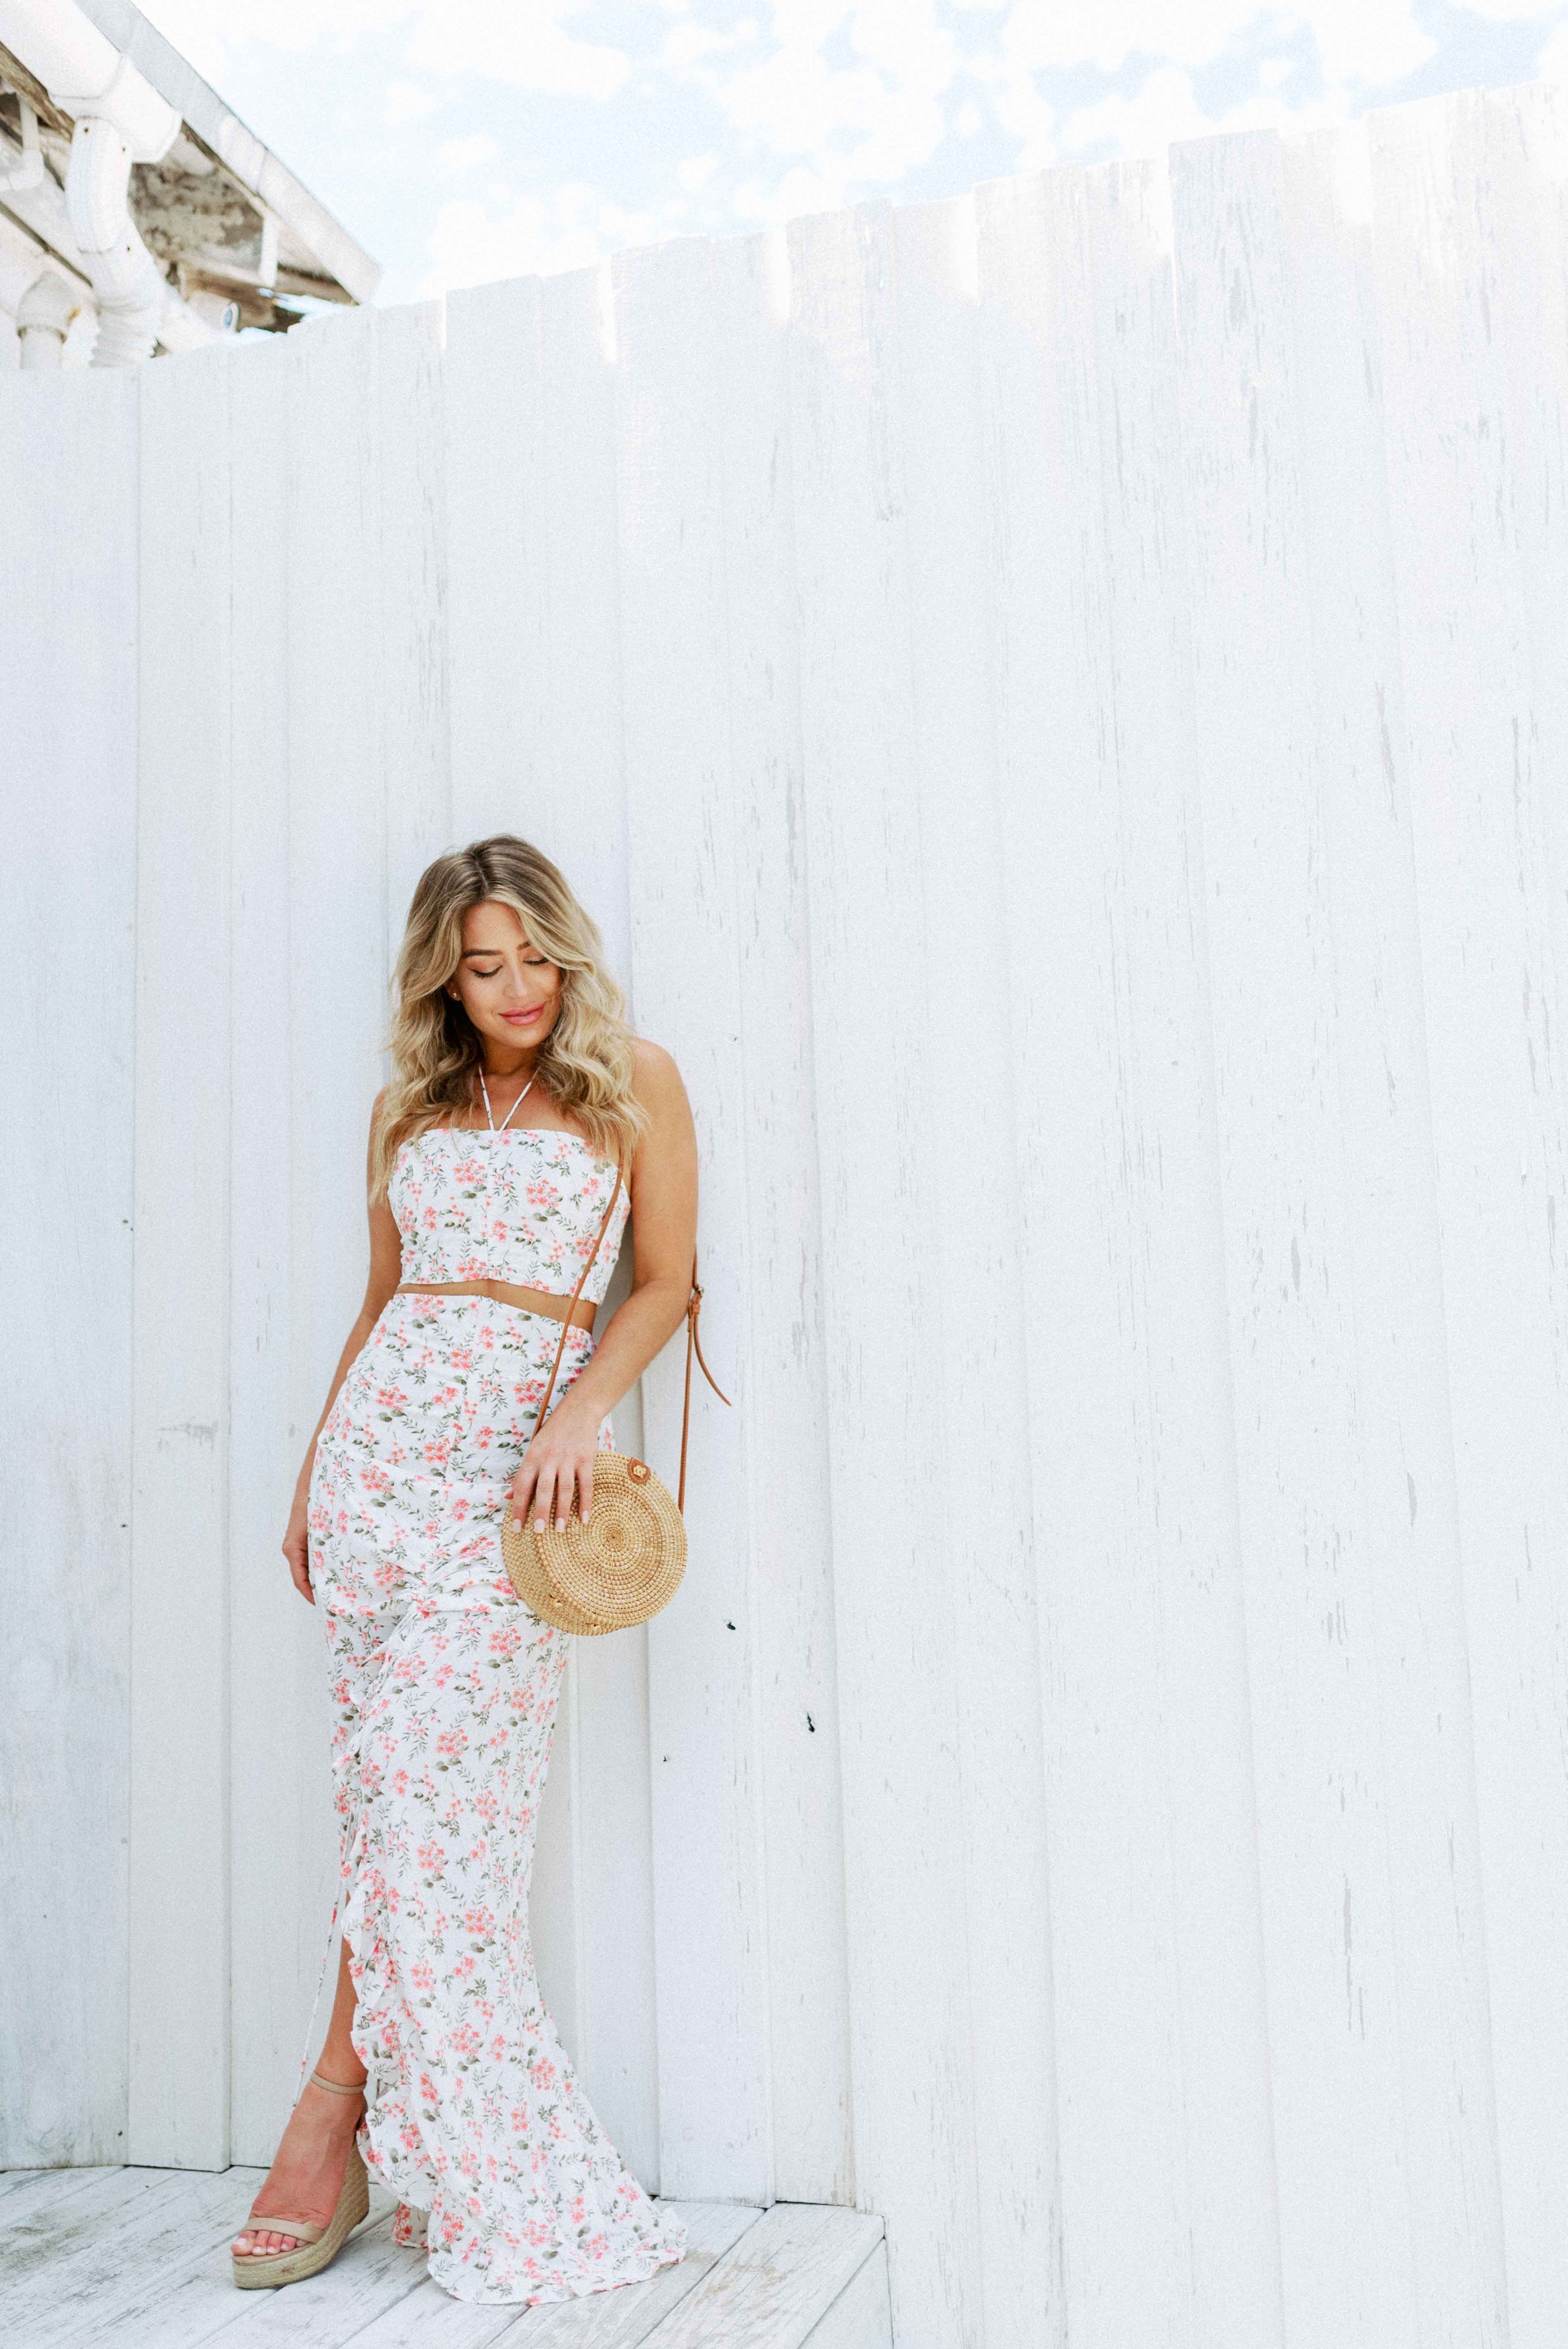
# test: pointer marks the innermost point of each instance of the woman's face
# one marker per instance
(503, 981)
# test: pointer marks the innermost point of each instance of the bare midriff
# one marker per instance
(504, 1292)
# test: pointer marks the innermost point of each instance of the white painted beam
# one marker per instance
(67, 888)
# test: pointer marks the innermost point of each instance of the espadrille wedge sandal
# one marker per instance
(316, 2245)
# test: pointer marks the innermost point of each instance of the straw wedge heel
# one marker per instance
(316, 2246)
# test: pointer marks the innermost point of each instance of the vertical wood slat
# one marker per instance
(909, 2018)
(408, 544)
(1172, 1247)
(1416, 1620)
(535, 702)
(1290, 1209)
(978, 1398)
(395, 742)
(576, 810)
(1468, 234)
(337, 1003)
(179, 1937)
(498, 465)
(1161, 2048)
(68, 891)
(279, 1807)
(710, 1916)
(777, 1350)
(499, 614)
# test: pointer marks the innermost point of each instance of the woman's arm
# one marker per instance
(664, 1238)
(386, 1271)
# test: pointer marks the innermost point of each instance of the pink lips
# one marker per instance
(521, 1016)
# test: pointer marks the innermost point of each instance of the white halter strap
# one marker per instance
(511, 1113)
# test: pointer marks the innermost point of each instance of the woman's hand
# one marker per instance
(560, 1456)
(297, 1549)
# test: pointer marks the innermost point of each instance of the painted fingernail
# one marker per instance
(560, 1525)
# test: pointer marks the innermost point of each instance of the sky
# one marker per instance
(464, 140)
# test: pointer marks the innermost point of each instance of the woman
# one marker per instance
(516, 1089)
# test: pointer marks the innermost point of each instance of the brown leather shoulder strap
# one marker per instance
(693, 1342)
(693, 1346)
(581, 1277)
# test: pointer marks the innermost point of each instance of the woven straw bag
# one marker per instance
(626, 1562)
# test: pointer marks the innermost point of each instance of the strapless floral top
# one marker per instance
(522, 1206)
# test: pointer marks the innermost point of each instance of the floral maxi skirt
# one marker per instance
(445, 1689)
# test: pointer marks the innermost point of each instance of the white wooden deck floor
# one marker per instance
(138, 2258)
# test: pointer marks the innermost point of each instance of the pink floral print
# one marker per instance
(522, 1206)
(444, 1690)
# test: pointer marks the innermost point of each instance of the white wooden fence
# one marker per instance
(1100, 1797)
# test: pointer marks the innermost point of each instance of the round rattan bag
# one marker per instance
(619, 1569)
(626, 1562)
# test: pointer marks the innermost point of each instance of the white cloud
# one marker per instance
(525, 44)
(1365, 42)
(570, 227)
(1363, 46)
(765, 203)
(455, 156)
(408, 101)
(853, 126)
(1165, 108)
(208, 31)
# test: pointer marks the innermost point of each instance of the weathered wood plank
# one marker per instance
(861, 2317)
(1161, 2038)
(779, 2280)
(431, 2319)
(682, 855)
(1469, 238)
(370, 2275)
(500, 461)
(201, 2302)
(279, 1803)
(1287, 1177)
(338, 1015)
(981, 1406)
(172, 2304)
(780, 1349)
(535, 714)
(178, 1930)
(575, 809)
(22, 2190)
(409, 533)
(1416, 1622)
(59, 2223)
(871, 973)
(497, 468)
(153, 2231)
(67, 893)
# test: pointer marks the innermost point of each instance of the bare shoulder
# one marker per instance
(656, 1079)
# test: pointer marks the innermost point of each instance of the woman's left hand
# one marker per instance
(560, 1457)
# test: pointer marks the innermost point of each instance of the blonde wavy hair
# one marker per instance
(585, 1063)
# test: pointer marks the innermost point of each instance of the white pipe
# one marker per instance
(119, 120)
(29, 171)
(43, 315)
(130, 286)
